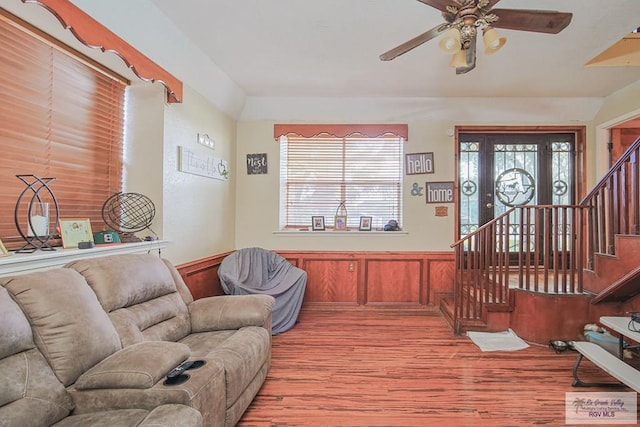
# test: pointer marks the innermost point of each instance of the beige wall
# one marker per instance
(257, 197)
(143, 146)
(195, 213)
(204, 216)
(198, 212)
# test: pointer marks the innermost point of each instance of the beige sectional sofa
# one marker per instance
(110, 329)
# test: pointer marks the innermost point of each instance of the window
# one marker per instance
(62, 116)
(319, 172)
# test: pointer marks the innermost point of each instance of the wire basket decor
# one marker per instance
(128, 212)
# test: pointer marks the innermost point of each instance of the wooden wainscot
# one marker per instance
(351, 279)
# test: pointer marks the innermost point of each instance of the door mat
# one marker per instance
(497, 341)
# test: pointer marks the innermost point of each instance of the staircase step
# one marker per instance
(446, 307)
(615, 277)
(622, 289)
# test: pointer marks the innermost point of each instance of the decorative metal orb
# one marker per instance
(128, 212)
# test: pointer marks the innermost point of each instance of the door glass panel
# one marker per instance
(515, 172)
(469, 194)
(561, 188)
(561, 171)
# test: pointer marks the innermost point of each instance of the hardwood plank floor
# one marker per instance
(406, 368)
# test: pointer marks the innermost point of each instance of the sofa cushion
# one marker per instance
(69, 326)
(138, 366)
(231, 312)
(140, 295)
(30, 393)
(125, 280)
(15, 332)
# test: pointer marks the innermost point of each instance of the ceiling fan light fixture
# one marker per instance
(459, 59)
(493, 41)
(450, 42)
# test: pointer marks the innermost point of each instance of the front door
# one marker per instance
(499, 171)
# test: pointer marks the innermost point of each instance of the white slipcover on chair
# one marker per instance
(261, 271)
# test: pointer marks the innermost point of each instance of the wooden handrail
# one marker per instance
(614, 204)
(481, 228)
(626, 156)
(537, 248)
(506, 213)
(549, 246)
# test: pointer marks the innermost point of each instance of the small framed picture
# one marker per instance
(3, 250)
(365, 223)
(317, 223)
(74, 231)
(340, 223)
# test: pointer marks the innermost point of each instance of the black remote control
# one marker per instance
(180, 369)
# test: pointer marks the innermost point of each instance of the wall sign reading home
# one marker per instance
(256, 164)
(418, 163)
(439, 192)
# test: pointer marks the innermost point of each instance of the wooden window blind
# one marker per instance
(318, 173)
(62, 116)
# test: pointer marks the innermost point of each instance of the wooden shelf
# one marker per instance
(39, 260)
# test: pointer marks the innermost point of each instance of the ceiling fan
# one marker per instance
(463, 20)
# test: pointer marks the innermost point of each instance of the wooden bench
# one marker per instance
(608, 362)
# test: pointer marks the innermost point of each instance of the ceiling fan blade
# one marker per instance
(539, 21)
(441, 5)
(491, 4)
(413, 43)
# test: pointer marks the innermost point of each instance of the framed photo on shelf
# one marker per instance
(74, 231)
(3, 250)
(317, 223)
(365, 223)
(340, 223)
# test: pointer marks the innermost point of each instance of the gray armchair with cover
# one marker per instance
(261, 271)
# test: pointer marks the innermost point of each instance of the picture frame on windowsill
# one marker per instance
(340, 223)
(74, 231)
(365, 223)
(317, 223)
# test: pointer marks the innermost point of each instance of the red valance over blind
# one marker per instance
(341, 130)
(93, 34)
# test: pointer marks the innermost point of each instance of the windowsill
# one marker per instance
(339, 233)
(24, 263)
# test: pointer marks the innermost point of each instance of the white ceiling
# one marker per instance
(330, 48)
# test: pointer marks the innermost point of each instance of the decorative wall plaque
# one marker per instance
(199, 162)
(257, 164)
(439, 192)
(442, 211)
(418, 163)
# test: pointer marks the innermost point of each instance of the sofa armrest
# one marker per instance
(231, 312)
(138, 366)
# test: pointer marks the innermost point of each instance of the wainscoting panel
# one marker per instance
(332, 280)
(350, 279)
(394, 281)
(441, 270)
(201, 276)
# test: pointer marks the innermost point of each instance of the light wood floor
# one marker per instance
(390, 368)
